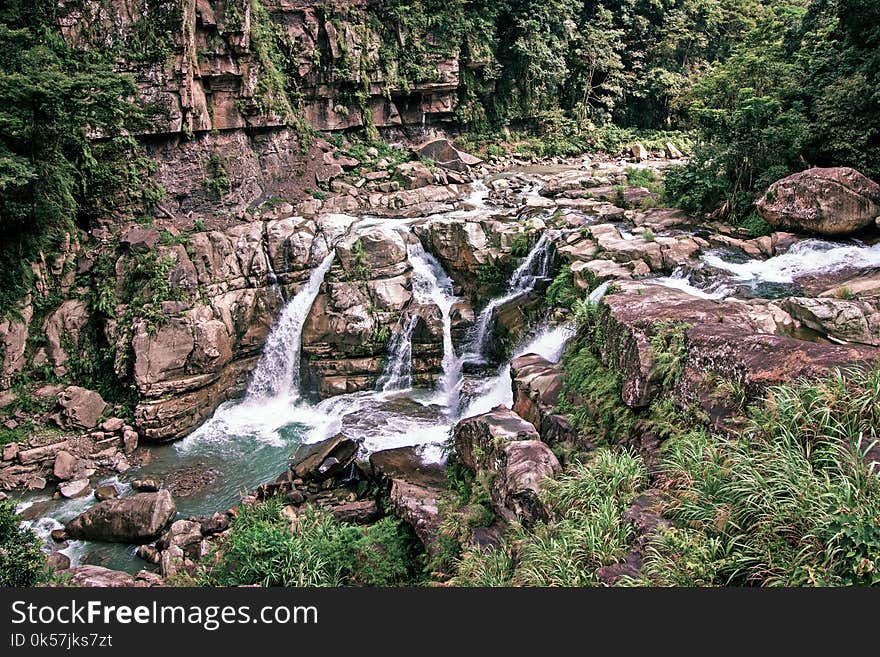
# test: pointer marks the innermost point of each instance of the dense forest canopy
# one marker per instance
(769, 87)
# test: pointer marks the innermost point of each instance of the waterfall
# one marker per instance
(277, 373)
(431, 286)
(535, 265)
(272, 277)
(548, 342)
(398, 371)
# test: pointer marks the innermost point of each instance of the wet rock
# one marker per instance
(65, 464)
(146, 484)
(148, 553)
(537, 389)
(99, 577)
(824, 201)
(59, 535)
(842, 319)
(137, 519)
(76, 488)
(80, 407)
(503, 445)
(323, 460)
(108, 492)
(415, 488)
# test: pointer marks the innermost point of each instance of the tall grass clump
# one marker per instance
(586, 529)
(790, 502)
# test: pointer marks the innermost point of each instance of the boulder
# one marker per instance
(137, 519)
(146, 484)
(129, 440)
(537, 388)
(500, 443)
(323, 460)
(361, 512)
(415, 488)
(413, 175)
(99, 577)
(112, 425)
(721, 341)
(56, 561)
(849, 320)
(672, 151)
(76, 488)
(185, 534)
(215, 524)
(149, 553)
(140, 240)
(80, 407)
(823, 201)
(65, 463)
(10, 451)
(639, 152)
(446, 155)
(108, 492)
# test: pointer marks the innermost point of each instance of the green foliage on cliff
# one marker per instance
(21, 561)
(317, 550)
(54, 176)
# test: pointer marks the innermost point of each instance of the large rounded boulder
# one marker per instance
(137, 519)
(832, 201)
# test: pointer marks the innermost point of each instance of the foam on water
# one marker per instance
(813, 256)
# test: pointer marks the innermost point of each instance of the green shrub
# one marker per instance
(318, 551)
(592, 396)
(562, 292)
(21, 561)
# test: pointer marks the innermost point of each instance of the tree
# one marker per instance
(21, 561)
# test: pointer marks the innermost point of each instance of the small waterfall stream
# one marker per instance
(431, 285)
(534, 266)
(398, 371)
(277, 373)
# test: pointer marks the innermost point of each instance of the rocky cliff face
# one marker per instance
(237, 88)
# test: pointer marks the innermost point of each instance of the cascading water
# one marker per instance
(535, 265)
(431, 285)
(398, 371)
(813, 256)
(277, 373)
(548, 342)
